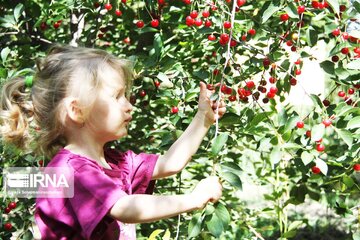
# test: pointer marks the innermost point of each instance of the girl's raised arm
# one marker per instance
(179, 154)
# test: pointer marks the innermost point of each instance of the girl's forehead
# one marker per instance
(111, 78)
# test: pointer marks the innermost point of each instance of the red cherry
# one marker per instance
(345, 35)
(272, 80)
(96, 4)
(210, 86)
(216, 72)
(345, 50)
(293, 49)
(266, 62)
(189, 21)
(56, 25)
(327, 122)
(132, 99)
(225, 37)
(205, 14)
(284, 17)
(43, 26)
(118, 12)
(8, 226)
(335, 58)
(233, 43)
(140, 24)
(356, 167)
(300, 124)
(211, 37)
(228, 90)
(293, 81)
(289, 43)
(320, 147)
(265, 100)
(194, 14)
(142, 93)
(7, 210)
(123, 1)
(301, 9)
(250, 84)
(157, 84)
(12, 205)
(108, 6)
(342, 8)
(252, 32)
(357, 86)
(232, 98)
(357, 50)
(227, 24)
(273, 90)
(336, 32)
(341, 94)
(270, 95)
(187, 2)
(126, 40)
(351, 91)
(240, 2)
(174, 110)
(308, 133)
(198, 22)
(315, 170)
(298, 62)
(326, 102)
(297, 71)
(315, 4)
(208, 23)
(154, 23)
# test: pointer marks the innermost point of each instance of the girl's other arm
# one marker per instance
(140, 208)
(179, 154)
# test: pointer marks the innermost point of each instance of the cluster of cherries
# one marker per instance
(12, 205)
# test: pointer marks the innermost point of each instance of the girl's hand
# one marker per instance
(207, 190)
(209, 109)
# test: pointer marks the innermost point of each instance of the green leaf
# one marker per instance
(354, 123)
(348, 181)
(298, 193)
(17, 11)
(311, 36)
(233, 179)
(4, 54)
(219, 220)
(167, 235)
(345, 135)
(317, 132)
(289, 234)
(269, 12)
(316, 100)
(322, 165)
(334, 5)
(307, 157)
(328, 66)
(155, 233)
(219, 142)
(229, 119)
(355, 64)
(275, 155)
(158, 45)
(231, 167)
(194, 227)
(295, 225)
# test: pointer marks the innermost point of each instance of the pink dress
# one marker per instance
(96, 190)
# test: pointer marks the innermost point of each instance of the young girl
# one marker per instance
(77, 104)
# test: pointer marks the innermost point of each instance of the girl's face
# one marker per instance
(111, 114)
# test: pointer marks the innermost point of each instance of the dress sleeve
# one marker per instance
(94, 195)
(142, 171)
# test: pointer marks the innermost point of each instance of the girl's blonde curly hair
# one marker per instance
(34, 119)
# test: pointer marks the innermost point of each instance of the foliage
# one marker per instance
(257, 140)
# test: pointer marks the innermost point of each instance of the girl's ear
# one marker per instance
(73, 110)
